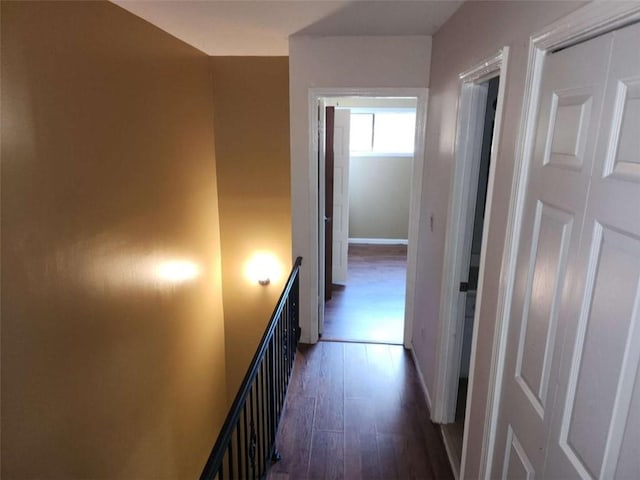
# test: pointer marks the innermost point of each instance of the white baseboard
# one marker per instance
(378, 241)
(447, 442)
(423, 384)
(455, 467)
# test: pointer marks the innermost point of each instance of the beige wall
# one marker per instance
(473, 33)
(379, 190)
(252, 154)
(112, 360)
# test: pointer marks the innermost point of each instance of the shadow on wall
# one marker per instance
(381, 18)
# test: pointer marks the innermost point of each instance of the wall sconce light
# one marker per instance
(262, 267)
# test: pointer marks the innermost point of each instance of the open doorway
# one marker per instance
(454, 432)
(477, 138)
(366, 159)
(369, 147)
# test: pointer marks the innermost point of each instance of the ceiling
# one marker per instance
(263, 27)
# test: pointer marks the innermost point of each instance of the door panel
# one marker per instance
(571, 98)
(603, 358)
(628, 465)
(625, 142)
(576, 309)
(568, 128)
(550, 248)
(341, 195)
(516, 465)
(599, 416)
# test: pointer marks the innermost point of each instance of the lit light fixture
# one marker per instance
(262, 267)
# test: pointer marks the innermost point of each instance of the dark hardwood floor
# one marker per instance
(370, 308)
(357, 411)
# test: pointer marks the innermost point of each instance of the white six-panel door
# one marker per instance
(570, 404)
(342, 123)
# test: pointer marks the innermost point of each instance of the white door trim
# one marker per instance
(421, 94)
(593, 19)
(469, 133)
(320, 116)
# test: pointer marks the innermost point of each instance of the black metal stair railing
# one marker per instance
(246, 444)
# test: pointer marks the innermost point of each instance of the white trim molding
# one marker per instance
(470, 124)
(423, 383)
(314, 95)
(485, 68)
(592, 20)
(378, 241)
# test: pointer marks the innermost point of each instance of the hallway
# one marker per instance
(370, 308)
(357, 411)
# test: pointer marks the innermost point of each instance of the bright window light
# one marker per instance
(361, 134)
(382, 132)
(394, 132)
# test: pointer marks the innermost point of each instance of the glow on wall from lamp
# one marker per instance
(263, 267)
(177, 271)
(128, 270)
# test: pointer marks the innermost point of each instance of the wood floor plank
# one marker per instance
(381, 369)
(384, 433)
(360, 415)
(434, 445)
(361, 460)
(404, 458)
(436, 451)
(397, 419)
(370, 308)
(357, 383)
(329, 415)
(391, 416)
(307, 371)
(327, 456)
(295, 434)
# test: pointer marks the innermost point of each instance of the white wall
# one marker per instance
(337, 62)
(473, 33)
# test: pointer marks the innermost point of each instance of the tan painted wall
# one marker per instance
(111, 366)
(379, 190)
(252, 153)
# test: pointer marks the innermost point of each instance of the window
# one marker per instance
(361, 135)
(382, 132)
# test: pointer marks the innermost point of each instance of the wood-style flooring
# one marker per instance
(370, 307)
(357, 411)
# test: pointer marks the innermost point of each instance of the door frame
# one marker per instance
(470, 126)
(319, 114)
(317, 214)
(589, 21)
(328, 170)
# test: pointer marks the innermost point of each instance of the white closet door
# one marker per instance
(571, 97)
(596, 426)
